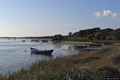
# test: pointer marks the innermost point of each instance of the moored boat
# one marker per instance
(80, 46)
(95, 44)
(37, 51)
(44, 40)
(23, 40)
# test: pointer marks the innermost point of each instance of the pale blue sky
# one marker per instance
(49, 17)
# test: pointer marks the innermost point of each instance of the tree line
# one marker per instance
(98, 34)
(91, 34)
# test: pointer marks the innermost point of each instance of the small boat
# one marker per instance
(23, 40)
(90, 48)
(37, 51)
(44, 40)
(96, 44)
(80, 46)
(36, 40)
(108, 43)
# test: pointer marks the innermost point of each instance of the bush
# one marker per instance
(90, 37)
(109, 38)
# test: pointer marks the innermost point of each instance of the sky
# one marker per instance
(21, 18)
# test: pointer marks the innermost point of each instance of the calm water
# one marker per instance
(13, 56)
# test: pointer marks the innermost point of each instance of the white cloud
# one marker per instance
(106, 13)
(115, 15)
(98, 14)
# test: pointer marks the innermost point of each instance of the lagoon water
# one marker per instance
(13, 56)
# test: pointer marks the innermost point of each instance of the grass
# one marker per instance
(93, 65)
(76, 42)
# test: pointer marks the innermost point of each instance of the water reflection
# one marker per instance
(42, 55)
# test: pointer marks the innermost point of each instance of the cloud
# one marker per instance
(98, 14)
(106, 13)
(115, 14)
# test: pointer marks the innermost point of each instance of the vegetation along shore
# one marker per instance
(93, 65)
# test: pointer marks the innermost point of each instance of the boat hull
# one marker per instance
(81, 46)
(45, 52)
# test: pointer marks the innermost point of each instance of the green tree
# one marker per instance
(105, 32)
(103, 37)
(116, 34)
(58, 37)
(109, 38)
(97, 35)
(90, 37)
(70, 33)
(82, 33)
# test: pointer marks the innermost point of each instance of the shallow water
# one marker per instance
(13, 56)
